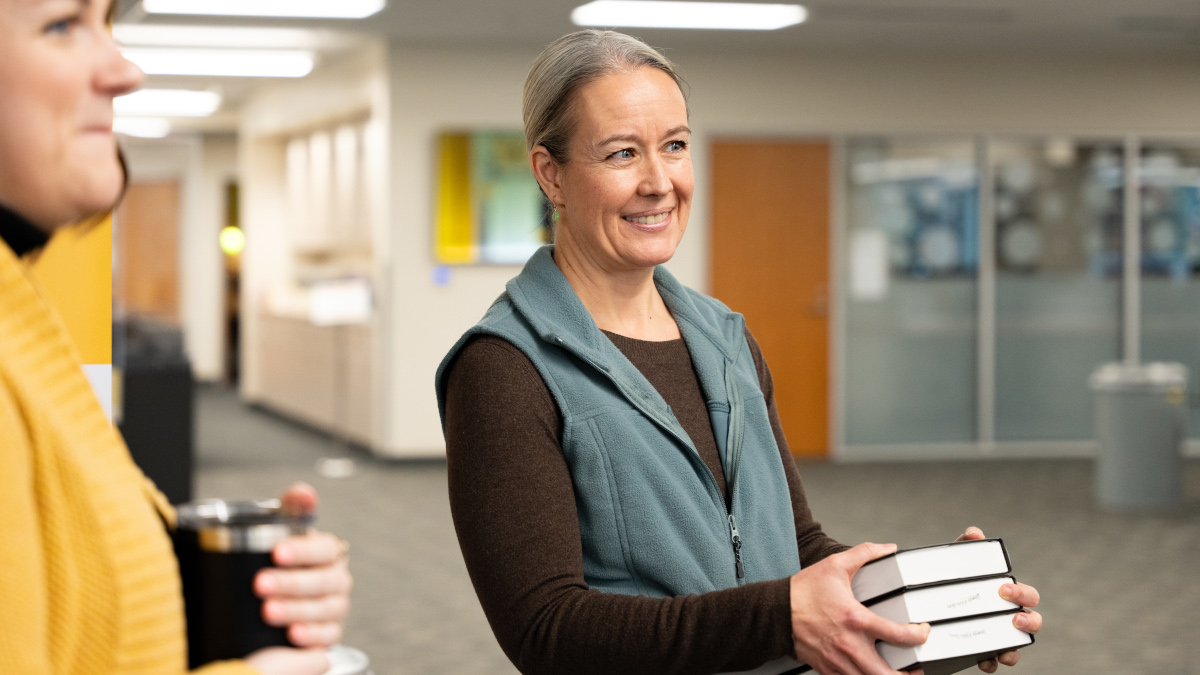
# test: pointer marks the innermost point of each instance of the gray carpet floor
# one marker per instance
(1120, 593)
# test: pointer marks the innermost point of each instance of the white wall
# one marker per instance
(435, 91)
(942, 93)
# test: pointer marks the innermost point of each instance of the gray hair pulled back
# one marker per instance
(568, 64)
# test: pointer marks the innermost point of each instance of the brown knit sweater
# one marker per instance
(514, 510)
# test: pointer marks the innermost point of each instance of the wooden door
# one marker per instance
(147, 241)
(770, 261)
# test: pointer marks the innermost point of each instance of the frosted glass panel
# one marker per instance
(911, 266)
(1170, 176)
(1058, 247)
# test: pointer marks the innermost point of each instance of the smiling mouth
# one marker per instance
(649, 220)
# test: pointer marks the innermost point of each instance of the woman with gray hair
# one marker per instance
(621, 487)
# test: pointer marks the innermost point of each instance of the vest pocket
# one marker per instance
(669, 532)
(605, 541)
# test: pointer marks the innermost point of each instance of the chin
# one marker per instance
(98, 191)
(651, 254)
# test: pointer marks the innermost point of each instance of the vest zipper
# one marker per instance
(736, 452)
(737, 547)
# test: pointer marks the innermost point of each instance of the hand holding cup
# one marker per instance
(308, 592)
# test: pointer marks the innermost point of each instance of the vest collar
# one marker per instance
(544, 297)
(542, 294)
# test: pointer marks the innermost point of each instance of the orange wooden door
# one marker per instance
(770, 261)
(147, 241)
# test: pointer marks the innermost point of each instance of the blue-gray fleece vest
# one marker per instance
(652, 518)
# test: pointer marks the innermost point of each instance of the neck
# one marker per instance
(621, 301)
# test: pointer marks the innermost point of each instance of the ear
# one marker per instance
(548, 173)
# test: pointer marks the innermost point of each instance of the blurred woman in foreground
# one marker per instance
(88, 580)
(620, 483)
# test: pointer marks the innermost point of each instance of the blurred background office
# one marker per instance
(939, 218)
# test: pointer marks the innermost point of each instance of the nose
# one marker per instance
(116, 75)
(655, 178)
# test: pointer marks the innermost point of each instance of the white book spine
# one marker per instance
(944, 602)
(957, 639)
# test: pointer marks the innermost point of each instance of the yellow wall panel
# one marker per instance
(76, 271)
(455, 240)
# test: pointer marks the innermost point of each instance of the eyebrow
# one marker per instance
(629, 138)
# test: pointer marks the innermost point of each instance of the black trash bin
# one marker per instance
(157, 402)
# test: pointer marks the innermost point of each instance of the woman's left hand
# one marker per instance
(1022, 594)
(309, 589)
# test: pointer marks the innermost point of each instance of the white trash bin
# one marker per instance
(1141, 424)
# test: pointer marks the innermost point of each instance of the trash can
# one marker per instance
(1140, 426)
(157, 402)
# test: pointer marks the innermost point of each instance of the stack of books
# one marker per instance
(955, 588)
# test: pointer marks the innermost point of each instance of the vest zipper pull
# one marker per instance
(737, 547)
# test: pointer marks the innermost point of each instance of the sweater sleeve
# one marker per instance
(514, 511)
(811, 540)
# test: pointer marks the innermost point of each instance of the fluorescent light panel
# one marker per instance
(222, 62)
(308, 9)
(142, 127)
(167, 103)
(709, 15)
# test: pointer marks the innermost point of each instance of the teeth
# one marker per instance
(649, 220)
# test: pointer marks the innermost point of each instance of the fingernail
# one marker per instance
(266, 584)
(1006, 591)
(1021, 621)
(299, 635)
(273, 612)
(284, 555)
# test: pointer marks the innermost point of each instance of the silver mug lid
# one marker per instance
(250, 525)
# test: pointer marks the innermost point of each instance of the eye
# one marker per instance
(62, 26)
(626, 153)
(676, 146)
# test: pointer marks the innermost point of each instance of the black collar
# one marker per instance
(19, 234)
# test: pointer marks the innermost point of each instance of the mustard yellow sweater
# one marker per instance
(88, 580)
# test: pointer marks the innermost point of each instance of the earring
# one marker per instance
(554, 216)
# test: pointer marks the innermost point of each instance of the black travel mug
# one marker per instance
(221, 545)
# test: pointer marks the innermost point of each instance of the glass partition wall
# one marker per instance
(1058, 214)
(913, 216)
(1169, 210)
(982, 280)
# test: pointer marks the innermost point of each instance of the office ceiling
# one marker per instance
(1148, 27)
(1135, 29)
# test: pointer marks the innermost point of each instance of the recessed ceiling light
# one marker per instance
(142, 127)
(222, 62)
(308, 9)
(168, 103)
(668, 14)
